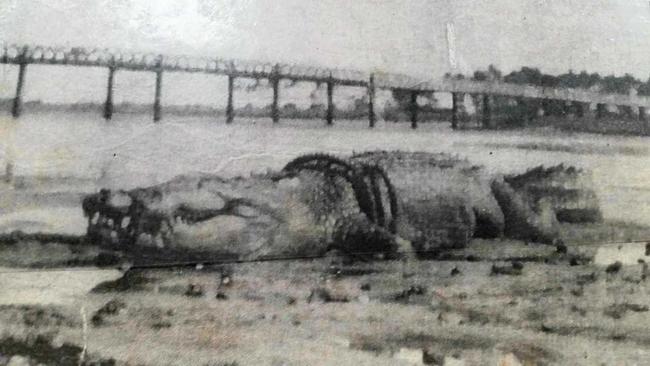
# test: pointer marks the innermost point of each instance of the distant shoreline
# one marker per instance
(609, 125)
(287, 111)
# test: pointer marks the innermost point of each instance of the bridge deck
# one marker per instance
(77, 56)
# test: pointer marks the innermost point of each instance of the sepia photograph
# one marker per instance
(324, 182)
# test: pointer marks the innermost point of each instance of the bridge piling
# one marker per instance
(108, 105)
(601, 109)
(456, 106)
(579, 108)
(413, 106)
(643, 118)
(330, 102)
(545, 106)
(642, 114)
(17, 106)
(524, 110)
(487, 111)
(157, 110)
(371, 101)
(230, 109)
(275, 83)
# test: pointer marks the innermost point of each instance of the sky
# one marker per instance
(421, 37)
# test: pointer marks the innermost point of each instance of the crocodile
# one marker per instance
(371, 202)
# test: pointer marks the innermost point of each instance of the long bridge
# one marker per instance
(113, 60)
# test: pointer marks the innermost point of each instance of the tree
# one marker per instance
(644, 89)
(480, 76)
(527, 76)
(450, 76)
(619, 85)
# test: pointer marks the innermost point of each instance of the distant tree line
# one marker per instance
(533, 76)
(516, 111)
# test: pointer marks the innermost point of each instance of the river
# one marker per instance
(131, 150)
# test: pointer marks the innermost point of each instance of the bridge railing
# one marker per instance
(95, 57)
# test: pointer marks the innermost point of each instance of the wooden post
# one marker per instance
(579, 109)
(413, 106)
(275, 82)
(523, 111)
(230, 109)
(371, 101)
(537, 109)
(17, 106)
(108, 105)
(546, 107)
(601, 108)
(9, 171)
(642, 114)
(156, 103)
(330, 102)
(456, 105)
(487, 111)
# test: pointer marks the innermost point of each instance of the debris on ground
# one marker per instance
(411, 291)
(617, 311)
(514, 269)
(194, 290)
(111, 308)
(614, 267)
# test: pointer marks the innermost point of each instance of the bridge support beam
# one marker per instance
(157, 110)
(17, 106)
(9, 172)
(487, 111)
(579, 109)
(230, 108)
(456, 107)
(108, 105)
(642, 114)
(275, 84)
(527, 110)
(601, 109)
(329, 118)
(643, 118)
(413, 106)
(371, 101)
(522, 109)
(546, 107)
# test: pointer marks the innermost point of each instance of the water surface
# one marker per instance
(131, 150)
